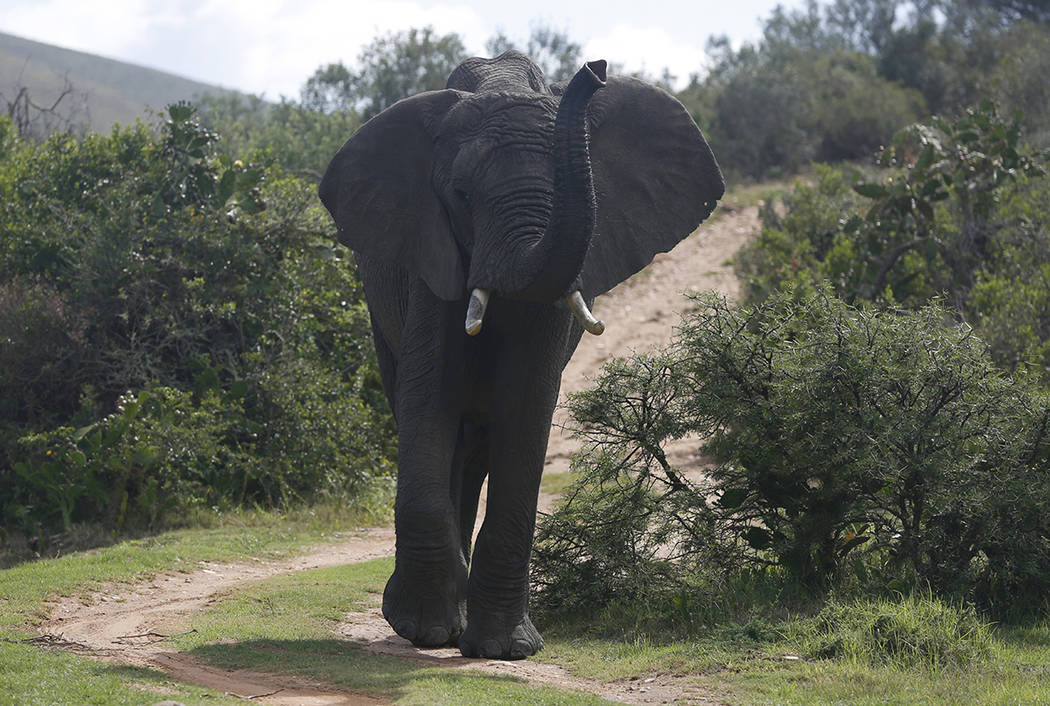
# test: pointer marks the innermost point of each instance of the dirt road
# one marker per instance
(129, 625)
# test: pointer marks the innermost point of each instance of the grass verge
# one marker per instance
(244, 536)
(31, 673)
(907, 651)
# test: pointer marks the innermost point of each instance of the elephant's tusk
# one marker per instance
(479, 299)
(583, 314)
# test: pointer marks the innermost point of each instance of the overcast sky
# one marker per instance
(272, 46)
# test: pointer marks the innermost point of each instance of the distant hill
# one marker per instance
(105, 91)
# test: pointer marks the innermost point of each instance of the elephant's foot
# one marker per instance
(427, 608)
(493, 637)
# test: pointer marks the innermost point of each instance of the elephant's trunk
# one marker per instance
(556, 260)
(547, 268)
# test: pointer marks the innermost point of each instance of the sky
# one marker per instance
(271, 47)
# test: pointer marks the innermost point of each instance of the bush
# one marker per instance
(919, 631)
(179, 331)
(851, 447)
(929, 227)
(159, 448)
(301, 140)
(964, 214)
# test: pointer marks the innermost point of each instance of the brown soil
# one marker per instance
(130, 624)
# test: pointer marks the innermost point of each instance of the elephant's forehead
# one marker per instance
(496, 114)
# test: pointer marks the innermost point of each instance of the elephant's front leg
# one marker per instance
(425, 599)
(498, 624)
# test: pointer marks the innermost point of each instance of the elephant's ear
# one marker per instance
(379, 192)
(655, 179)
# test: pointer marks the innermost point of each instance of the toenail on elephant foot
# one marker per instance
(519, 642)
(435, 619)
(445, 635)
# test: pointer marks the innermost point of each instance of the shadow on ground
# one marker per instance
(345, 665)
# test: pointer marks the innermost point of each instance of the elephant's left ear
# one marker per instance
(655, 179)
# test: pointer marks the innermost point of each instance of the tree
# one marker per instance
(402, 64)
(865, 25)
(66, 112)
(392, 67)
(558, 56)
(1011, 10)
(330, 89)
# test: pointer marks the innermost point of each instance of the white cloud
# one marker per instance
(272, 46)
(117, 25)
(649, 49)
(261, 46)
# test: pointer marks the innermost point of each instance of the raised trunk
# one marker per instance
(549, 268)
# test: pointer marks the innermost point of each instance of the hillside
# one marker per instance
(105, 91)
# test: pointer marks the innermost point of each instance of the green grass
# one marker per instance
(244, 536)
(31, 675)
(952, 657)
(282, 625)
(555, 483)
(285, 625)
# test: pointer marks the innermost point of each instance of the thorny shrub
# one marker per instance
(848, 446)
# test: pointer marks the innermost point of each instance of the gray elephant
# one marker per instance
(485, 218)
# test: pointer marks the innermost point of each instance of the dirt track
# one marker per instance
(129, 625)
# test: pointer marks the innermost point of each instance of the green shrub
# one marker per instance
(964, 214)
(157, 449)
(1010, 301)
(301, 140)
(927, 228)
(904, 633)
(850, 446)
(179, 331)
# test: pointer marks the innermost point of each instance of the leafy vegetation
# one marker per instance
(299, 139)
(179, 332)
(836, 81)
(963, 213)
(392, 67)
(852, 447)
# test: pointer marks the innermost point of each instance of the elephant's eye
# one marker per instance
(464, 196)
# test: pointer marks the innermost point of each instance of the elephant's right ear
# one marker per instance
(378, 190)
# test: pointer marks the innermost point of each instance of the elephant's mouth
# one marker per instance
(479, 301)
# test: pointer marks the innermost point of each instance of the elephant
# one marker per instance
(485, 218)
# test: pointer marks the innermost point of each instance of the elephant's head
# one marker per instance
(533, 193)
